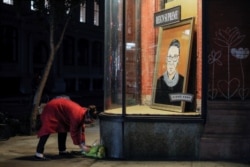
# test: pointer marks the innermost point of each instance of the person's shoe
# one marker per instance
(65, 153)
(41, 158)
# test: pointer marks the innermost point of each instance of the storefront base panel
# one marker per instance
(147, 138)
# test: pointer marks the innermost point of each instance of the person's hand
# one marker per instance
(85, 148)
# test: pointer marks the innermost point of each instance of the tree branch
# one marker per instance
(62, 35)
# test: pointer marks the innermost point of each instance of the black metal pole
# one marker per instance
(124, 59)
(123, 70)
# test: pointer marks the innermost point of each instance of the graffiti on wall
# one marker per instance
(227, 51)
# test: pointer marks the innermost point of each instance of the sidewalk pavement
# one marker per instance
(18, 151)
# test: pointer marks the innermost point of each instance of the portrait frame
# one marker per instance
(183, 32)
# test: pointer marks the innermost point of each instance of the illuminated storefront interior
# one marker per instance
(135, 59)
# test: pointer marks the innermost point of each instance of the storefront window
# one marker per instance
(151, 69)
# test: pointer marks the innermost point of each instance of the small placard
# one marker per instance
(181, 97)
(168, 16)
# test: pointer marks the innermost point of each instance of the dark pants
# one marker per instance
(61, 142)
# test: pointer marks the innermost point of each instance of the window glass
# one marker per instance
(32, 5)
(96, 13)
(41, 52)
(83, 12)
(139, 53)
(8, 44)
(68, 51)
(10, 2)
(83, 52)
(97, 49)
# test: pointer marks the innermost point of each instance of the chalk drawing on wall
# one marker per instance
(241, 54)
(214, 59)
(228, 39)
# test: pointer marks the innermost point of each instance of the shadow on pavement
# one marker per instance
(51, 157)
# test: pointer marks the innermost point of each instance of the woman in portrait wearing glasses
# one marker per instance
(171, 81)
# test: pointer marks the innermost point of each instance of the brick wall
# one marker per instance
(148, 45)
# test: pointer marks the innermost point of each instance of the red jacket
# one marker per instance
(63, 115)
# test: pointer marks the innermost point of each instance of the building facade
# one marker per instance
(214, 123)
(24, 39)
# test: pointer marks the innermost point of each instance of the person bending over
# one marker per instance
(62, 115)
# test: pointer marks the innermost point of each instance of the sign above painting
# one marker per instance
(168, 16)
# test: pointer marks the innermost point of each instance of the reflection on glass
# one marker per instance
(113, 53)
(115, 56)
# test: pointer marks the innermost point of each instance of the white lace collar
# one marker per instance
(171, 82)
